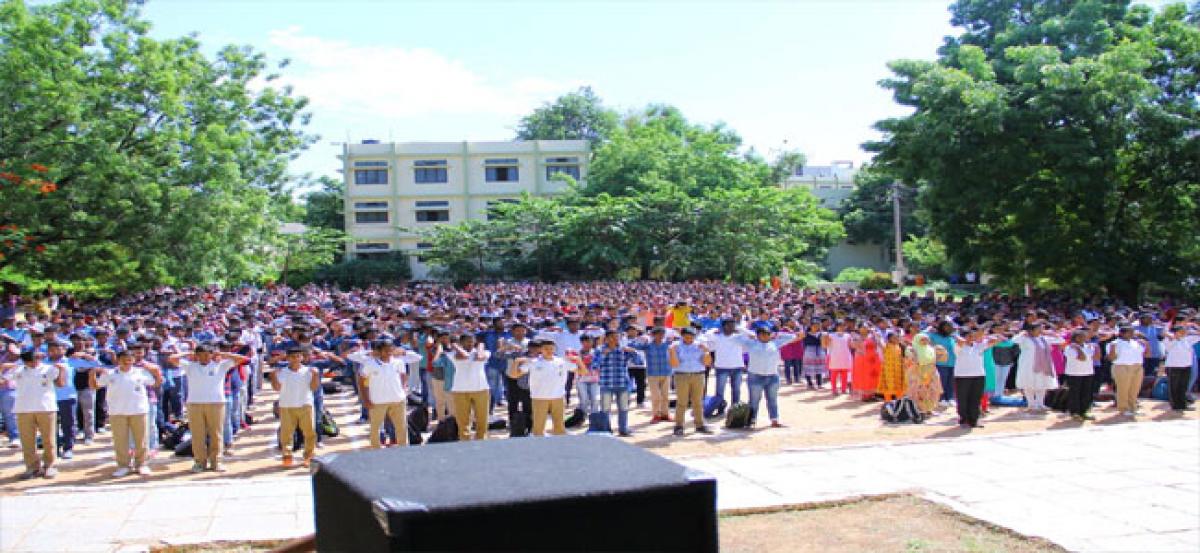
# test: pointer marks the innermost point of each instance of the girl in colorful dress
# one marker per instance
(865, 375)
(837, 344)
(891, 374)
(924, 386)
(814, 362)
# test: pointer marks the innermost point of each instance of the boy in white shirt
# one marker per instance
(205, 371)
(1126, 354)
(36, 407)
(296, 385)
(383, 382)
(1079, 371)
(547, 385)
(1179, 354)
(128, 404)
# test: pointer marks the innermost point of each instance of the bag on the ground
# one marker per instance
(418, 418)
(576, 419)
(598, 422)
(415, 399)
(331, 387)
(173, 438)
(497, 423)
(445, 431)
(714, 406)
(414, 437)
(184, 449)
(738, 416)
(329, 426)
(1057, 399)
(1147, 389)
(1161, 390)
(1010, 401)
(900, 411)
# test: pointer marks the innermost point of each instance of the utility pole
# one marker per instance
(900, 272)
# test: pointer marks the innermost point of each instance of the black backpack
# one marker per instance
(445, 431)
(173, 438)
(901, 410)
(576, 419)
(599, 423)
(331, 387)
(184, 449)
(497, 423)
(738, 416)
(414, 437)
(418, 419)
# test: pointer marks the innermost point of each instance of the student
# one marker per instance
(1080, 370)
(128, 406)
(612, 362)
(764, 364)
(865, 372)
(442, 406)
(588, 381)
(383, 380)
(36, 408)
(688, 360)
(815, 363)
(547, 380)
(658, 372)
(296, 384)
(1179, 354)
(923, 385)
(1035, 369)
(1127, 354)
(470, 388)
(969, 374)
(516, 389)
(67, 397)
(725, 345)
(1004, 356)
(205, 372)
(837, 344)
(942, 336)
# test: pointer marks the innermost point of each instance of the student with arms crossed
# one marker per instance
(547, 384)
(128, 406)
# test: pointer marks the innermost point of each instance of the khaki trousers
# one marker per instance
(689, 390)
(1128, 379)
(206, 420)
(291, 418)
(552, 407)
(660, 389)
(466, 405)
(445, 406)
(394, 411)
(31, 424)
(122, 426)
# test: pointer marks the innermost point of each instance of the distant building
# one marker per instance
(415, 185)
(832, 185)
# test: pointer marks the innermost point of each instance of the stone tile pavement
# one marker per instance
(1111, 488)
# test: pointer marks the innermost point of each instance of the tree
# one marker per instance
(578, 115)
(169, 166)
(306, 253)
(925, 255)
(461, 252)
(1058, 140)
(868, 213)
(325, 207)
(786, 164)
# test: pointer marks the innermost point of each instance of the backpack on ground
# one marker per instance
(1161, 390)
(414, 437)
(900, 411)
(331, 387)
(445, 431)
(1057, 399)
(173, 438)
(714, 406)
(497, 423)
(418, 419)
(598, 422)
(1010, 401)
(738, 416)
(184, 449)
(414, 398)
(576, 419)
(328, 426)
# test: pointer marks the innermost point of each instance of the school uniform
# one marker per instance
(470, 393)
(36, 407)
(1178, 359)
(969, 379)
(128, 405)
(1127, 372)
(1079, 373)
(296, 409)
(206, 408)
(547, 380)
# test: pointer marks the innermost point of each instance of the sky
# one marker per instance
(799, 74)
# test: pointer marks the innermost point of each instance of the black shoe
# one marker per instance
(679, 431)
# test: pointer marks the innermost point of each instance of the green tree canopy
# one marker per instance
(325, 207)
(578, 115)
(1058, 140)
(868, 213)
(169, 165)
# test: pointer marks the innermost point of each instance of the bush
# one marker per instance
(854, 274)
(364, 272)
(877, 281)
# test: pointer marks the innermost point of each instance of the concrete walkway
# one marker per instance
(1112, 488)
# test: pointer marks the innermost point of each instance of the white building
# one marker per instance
(393, 190)
(832, 185)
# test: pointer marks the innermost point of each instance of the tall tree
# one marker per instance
(868, 213)
(1058, 140)
(326, 207)
(578, 115)
(169, 165)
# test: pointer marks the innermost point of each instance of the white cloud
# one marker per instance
(390, 82)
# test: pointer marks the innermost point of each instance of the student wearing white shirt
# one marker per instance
(296, 385)
(36, 408)
(547, 385)
(383, 381)
(128, 405)
(470, 388)
(1179, 351)
(1126, 354)
(726, 347)
(1079, 371)
(969, 374)
(205, 371)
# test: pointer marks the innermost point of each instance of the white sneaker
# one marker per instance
(121, 472)
(144, 470)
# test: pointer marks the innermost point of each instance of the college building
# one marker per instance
(833, 184)
(394, 190)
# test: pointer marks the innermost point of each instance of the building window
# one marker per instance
(422, 246)
(433, 215)
(370, 217)
(430, 171)
(370, 205)
(433, 203)
(370, 164)
(370, 176)
(501, 170)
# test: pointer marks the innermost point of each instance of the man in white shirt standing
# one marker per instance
(728, 360)
(383, 381)
(1179, 354)
(205, 371)
(128, 404)
(36, 408)
(547, 385)
(1126, 354)
(470, 387)
(296, 385)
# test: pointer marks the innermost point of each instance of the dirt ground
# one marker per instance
(812, 418)
(871, 525)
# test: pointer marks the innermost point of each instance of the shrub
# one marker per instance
(877, 281)
(364, 272)
(853, 274)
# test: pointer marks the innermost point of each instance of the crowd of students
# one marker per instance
(139, 365)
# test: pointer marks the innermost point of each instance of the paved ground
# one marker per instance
(1102, 488)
